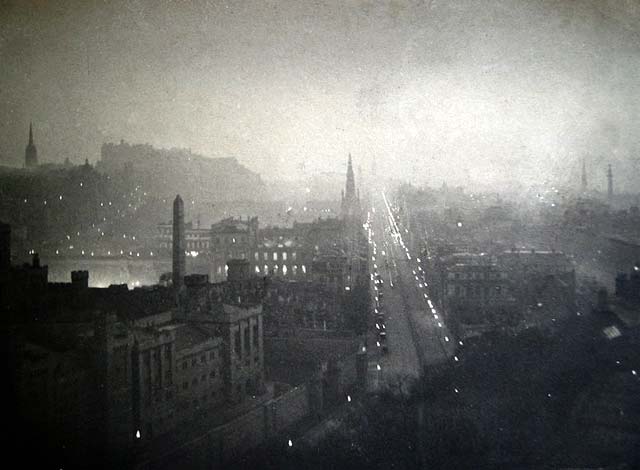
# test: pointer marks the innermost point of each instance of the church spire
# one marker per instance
(31, 153)
(350, 199)
(350, 190)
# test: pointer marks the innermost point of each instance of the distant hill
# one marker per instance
(179, 171)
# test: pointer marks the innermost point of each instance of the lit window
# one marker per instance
(275, 256)
(293, 256)
(284, 256)
(284, 269)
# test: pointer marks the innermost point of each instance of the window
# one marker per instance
(184, 365)
(203, 358)
(265, 256)
(293, 256)
(255, 335)
(246, 338)
(212, 355)
(185, 385)
(256, 256)
(284, 256)
(275, 256)
(193, 361)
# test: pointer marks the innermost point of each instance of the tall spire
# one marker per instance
(350, 190)
(30, 153)
(350, 202)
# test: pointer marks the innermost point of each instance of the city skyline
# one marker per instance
(502, 92)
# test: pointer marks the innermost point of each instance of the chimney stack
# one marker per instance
(80, 279)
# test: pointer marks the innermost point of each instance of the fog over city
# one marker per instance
(285, 234)
(484, 92)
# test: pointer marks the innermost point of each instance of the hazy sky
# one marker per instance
(491, 90)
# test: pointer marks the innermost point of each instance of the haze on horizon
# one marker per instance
(494, 92)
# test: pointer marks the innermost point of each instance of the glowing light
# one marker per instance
(290, 443)
(138, 431)
(349, 398)
(378, 367)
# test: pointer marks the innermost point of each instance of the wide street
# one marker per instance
(416, 336)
